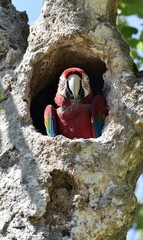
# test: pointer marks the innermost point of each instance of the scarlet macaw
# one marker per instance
(79, 114)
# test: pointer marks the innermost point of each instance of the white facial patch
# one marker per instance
(85, 85)
(62, 86)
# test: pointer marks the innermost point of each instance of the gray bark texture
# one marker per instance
(57, 188)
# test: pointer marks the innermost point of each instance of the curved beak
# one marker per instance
(74, 85)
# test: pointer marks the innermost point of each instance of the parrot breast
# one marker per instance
(75, 121)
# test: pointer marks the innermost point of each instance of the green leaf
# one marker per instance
(134, 54)
(140, 46)
(139, 217)
(133, 42)
(2, 97)
(128, 31)
(141, 36)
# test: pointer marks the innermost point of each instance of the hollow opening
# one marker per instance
(45, 88)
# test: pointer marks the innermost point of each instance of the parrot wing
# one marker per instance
(50, 120)
(99, 113)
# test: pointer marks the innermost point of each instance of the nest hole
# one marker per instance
(46, 86)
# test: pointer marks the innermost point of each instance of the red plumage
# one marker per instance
(75, 121)
(78, 115)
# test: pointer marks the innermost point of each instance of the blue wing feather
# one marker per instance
(52, 130)
(99, 113)
(98, 124)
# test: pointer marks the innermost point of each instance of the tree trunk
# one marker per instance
(57, 188)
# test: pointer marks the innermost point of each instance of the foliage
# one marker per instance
(139, 220)
(139, 217)
(132, 35)
(2, 97)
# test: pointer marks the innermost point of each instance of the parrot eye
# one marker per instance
(61, 80)
(85, 82)
(62, 84)
(86, 79)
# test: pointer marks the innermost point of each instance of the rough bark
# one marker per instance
(57, 188)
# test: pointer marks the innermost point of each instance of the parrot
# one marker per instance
(79, 114)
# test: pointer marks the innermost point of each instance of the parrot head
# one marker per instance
(74, 87)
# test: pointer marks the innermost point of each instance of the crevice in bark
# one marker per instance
(59, 210)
